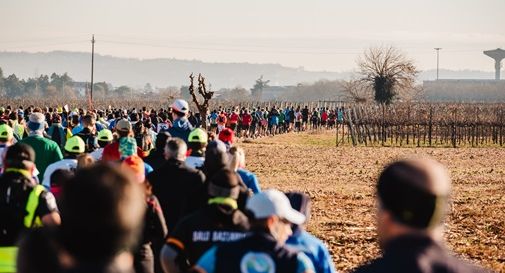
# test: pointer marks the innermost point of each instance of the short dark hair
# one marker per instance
(404, 190)
(97, 230)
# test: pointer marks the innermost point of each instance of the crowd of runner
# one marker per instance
(117, 190)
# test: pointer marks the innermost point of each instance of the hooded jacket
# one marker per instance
(181, 129)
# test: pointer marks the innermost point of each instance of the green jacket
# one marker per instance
(46, 152)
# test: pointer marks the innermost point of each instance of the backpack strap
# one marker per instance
(31, 206)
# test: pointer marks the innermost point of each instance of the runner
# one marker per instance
(73, 148)
(197, 142)
(234, 118)
(179, 188)
(180, 126)
(104, 138)
(97, 236)
(245, 124)
(305, 117)
(413, 199)
(155, 228)
(213, 121)
(23, 203)
(6, 140)
(271, 216)
(156, 157)
(218, 222)
(56, 131)
(88, 133)
(303, 241)
(221, 122)
(227, 136)
(46, 150)
(237, 163)
(122, 147)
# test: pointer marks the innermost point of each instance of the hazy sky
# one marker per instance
(314, 34)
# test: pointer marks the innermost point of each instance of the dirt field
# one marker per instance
(341, 184)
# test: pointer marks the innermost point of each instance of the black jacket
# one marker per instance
(417, 254)
(180, 190)
(207, 227)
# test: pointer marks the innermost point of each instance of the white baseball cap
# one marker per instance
(274, 202)
(181, 106)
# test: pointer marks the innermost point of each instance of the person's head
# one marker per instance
(227, 135)
(180, 108)
(224, 188)
(104, 137)
(161, 140)
(300, 202)
(37, 123)
(88, 121)
(58, 179)
(6, 134)
(236, 158)
(136, 165)
(176, 149)
(271, 211)
(123, 128)
(74, 146)
(216, 157)
(97, 231)
(56, 119)
(20, 156)
(197, 140)
(412, 195)
(84, 160)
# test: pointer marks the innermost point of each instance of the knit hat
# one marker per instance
(135, 164)
(226, 135)
(225, 183)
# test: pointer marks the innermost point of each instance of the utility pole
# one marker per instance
(92, 64)
(438, 59)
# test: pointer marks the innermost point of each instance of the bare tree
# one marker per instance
(203, 105)
(356, 90)
(388, 71)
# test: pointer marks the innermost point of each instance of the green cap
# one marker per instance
(6, 132)
(105, 135)
(197, 135)
(75, 145)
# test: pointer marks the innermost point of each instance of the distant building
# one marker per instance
(271, 93)
(464, 90)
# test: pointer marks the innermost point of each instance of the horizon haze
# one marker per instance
(320, 35)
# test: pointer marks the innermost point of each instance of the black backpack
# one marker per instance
(13, 197)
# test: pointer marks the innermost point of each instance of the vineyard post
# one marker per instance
(453, 128)
(430, 125)
(383, 130)
(351, 127)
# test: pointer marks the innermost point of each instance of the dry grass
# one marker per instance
(341, 184)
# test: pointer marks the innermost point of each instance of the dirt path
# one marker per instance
(341, 183)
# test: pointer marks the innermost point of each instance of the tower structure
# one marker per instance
(498, 55)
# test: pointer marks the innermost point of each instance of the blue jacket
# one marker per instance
(180, 128)
(314, 249)
(250, 180)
